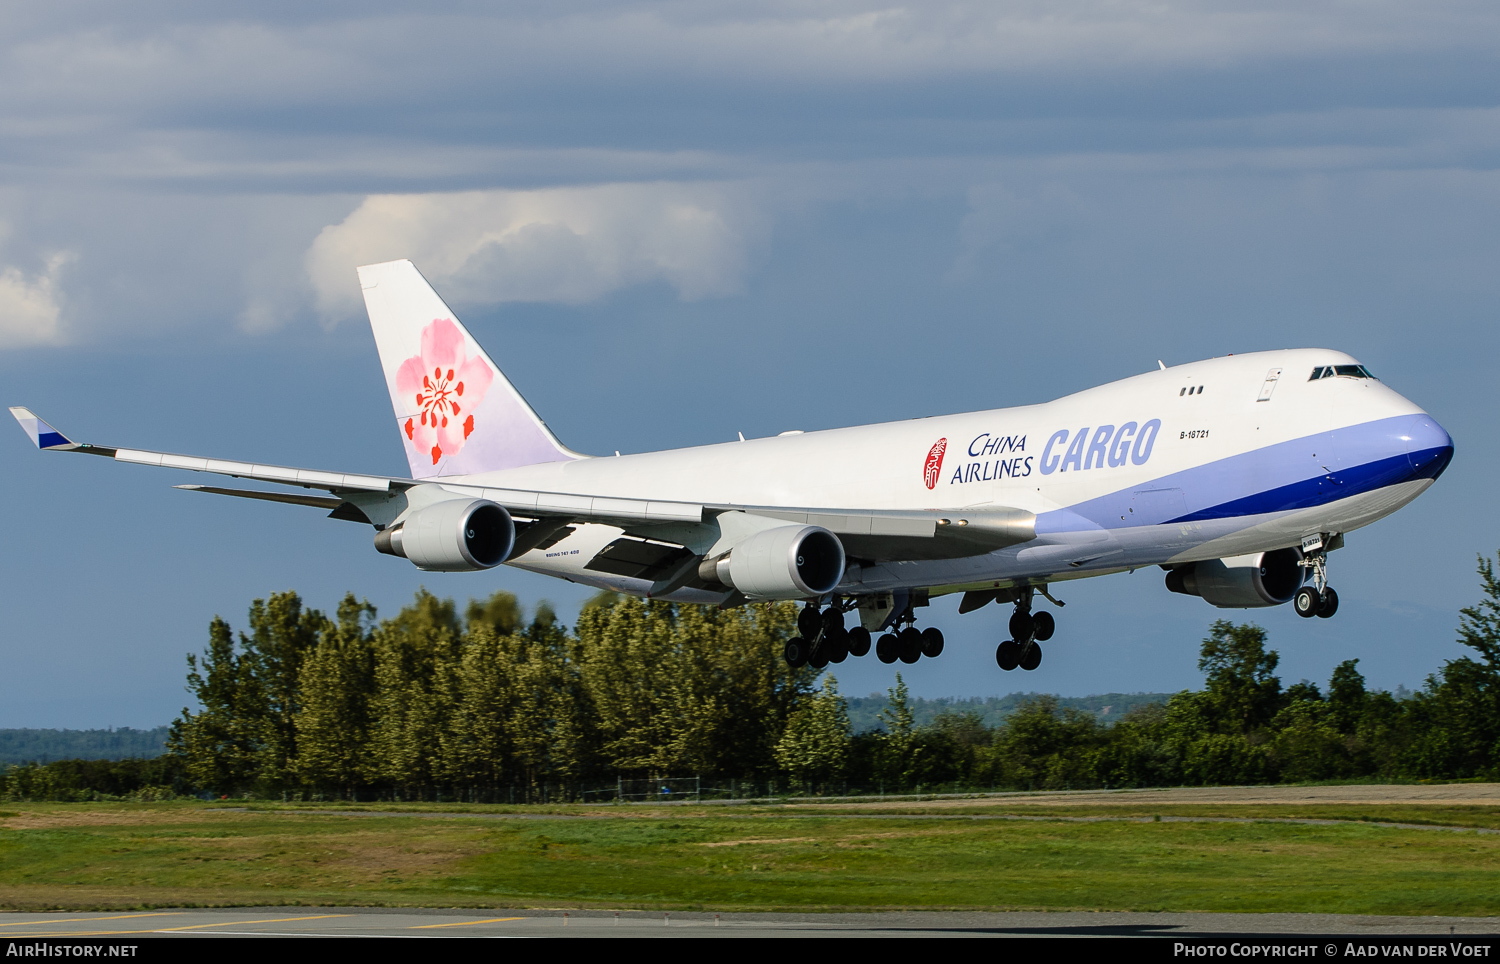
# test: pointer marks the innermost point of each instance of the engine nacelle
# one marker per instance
(1241, 582)
(788, 562)
(458, 535)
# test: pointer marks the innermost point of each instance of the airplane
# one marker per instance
(1236, 475)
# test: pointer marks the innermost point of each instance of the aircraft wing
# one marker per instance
(50, 439)
(870, 535)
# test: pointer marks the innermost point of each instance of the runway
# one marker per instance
(304, 922)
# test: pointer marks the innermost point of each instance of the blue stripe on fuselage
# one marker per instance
(1310, 471)
(1327, 488)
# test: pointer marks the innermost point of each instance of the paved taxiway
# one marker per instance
(407, 923)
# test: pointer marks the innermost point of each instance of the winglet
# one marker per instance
(44, 435)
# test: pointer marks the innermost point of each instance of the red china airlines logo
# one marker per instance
(934, 463)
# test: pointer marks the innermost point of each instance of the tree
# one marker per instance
(688, 688)
(246, 732)
(1457, 715)
(217, 743)
(282, 634)
(815, 746)
(1479, 627)
(896, 755)
(1243, 691)
(1347, 699)
(478, 743)
(1307, 745)
(1042, 746)
(415, 682)
(501, 613)
(337, 686)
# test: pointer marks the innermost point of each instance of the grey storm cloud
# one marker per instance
(168, 93)
(209, 127)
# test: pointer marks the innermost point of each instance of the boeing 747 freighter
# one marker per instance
(1236, 475)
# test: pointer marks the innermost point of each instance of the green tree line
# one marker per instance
(489, 707)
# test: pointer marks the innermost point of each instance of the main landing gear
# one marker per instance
(1027, 629)
(824, 639)
(1318, 599)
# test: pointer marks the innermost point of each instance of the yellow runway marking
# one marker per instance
(235, 923)
(71, 920)
(466, 923)
(79, 933)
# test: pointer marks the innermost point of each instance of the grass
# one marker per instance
(123, 856)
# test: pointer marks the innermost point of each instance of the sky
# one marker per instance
(671, 222)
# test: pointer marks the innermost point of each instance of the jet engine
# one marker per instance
(1241, 582)
(788, 562)
(457, 535)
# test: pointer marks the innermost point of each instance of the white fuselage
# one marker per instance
(1147, 470)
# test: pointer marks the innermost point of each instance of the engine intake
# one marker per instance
(787, 562)
(1241, 582)
(459, 535)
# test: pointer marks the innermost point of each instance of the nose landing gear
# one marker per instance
(1027, 629)
(1318, 599)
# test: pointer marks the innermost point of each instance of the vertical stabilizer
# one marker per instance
(457, 413)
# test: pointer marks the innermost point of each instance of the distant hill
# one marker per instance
(1107, 707)
(44, 746)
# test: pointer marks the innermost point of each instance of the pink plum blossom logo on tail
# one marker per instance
(447, 387)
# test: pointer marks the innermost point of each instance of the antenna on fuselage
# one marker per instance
(1162, 364)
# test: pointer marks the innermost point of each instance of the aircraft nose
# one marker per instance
(1429, 448)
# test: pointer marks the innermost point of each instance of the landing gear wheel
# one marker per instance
(819, 657)
(809, 621)
(1022, 625)
(932, 641)
(1045, 626)
(1307, 602)
(795, 652)
(1032, 657)
(837, 645)
(1330, 603)
(911, 644)
(887, 648)
(859, 641)
(1008, 655)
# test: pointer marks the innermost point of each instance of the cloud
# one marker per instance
(564, 245)
(30, 313)
(383, 99)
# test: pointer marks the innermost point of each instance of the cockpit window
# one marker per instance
(1348, 371)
